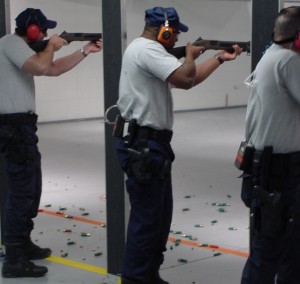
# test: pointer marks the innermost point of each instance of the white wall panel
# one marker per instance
(291, 3)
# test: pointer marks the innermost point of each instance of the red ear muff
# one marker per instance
(33, 32)
(164, 34)
(297, 41)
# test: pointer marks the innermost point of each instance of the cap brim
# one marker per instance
(183, 28)
(49, 24)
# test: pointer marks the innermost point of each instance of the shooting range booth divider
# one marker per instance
(114, 38)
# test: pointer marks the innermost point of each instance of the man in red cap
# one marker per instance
(145, 103)
(18, 140)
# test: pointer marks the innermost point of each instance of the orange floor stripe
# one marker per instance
(171, 239)
(65, 215)
(209, 247)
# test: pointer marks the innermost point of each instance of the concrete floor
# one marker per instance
(205, 144)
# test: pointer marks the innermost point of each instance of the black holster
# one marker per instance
(271, 214)
(144, 168)
(271, 218)
(142, 163)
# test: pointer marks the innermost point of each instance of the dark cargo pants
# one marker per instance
(24, 184)
(150, 215)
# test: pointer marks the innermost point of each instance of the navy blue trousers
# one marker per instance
(275, 258)
(24, 186)
(150, 215)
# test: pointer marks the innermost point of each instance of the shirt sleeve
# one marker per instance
(17, 50)
(157, 61)
(291, 76)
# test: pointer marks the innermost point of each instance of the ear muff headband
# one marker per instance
(33, 26)
(165, 32)
(295, 39)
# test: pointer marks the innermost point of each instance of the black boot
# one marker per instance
(34, 252)
(17, 265)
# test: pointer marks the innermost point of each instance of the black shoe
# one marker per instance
(34, 252)
(23, 268)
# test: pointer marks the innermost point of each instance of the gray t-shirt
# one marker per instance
(17, 93)
(144, 93)
(273, 112)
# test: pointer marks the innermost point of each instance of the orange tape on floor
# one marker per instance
(171, 239)
(76, 218)
(210, 247)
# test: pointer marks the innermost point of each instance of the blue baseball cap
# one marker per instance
(34, 16)
(157, 16)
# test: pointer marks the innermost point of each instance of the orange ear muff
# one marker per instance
(33, 32)
(297, 41)
(164, 34)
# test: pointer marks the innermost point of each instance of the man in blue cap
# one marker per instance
(145, 132)
(18, 140)
(32, 23)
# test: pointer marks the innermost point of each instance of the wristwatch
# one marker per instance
(219, 58)
(83, 52)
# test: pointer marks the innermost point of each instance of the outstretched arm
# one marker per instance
(42, 64)
(66, 63)
(206, 68)
(189, 74)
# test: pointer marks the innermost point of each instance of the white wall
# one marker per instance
(79, 93)
(291, 3)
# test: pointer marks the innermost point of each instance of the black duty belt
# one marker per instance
(283, 164)
(147, 133)
(18, 118)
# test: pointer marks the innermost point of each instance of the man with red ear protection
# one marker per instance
(271, 188)
(33, 23)
(145, 153)
(18, 138)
